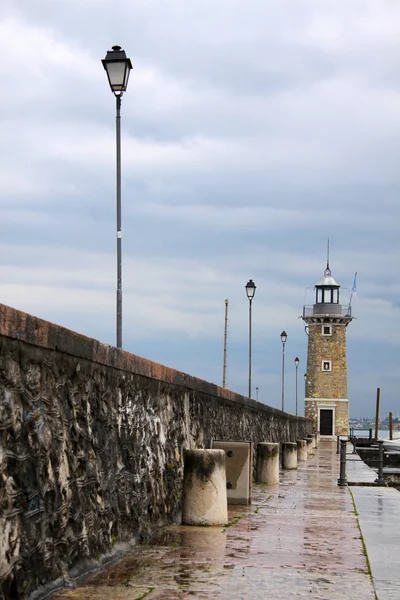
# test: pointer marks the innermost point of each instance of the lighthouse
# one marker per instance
(326, 397)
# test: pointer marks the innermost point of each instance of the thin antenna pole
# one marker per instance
(225, 344)
(327, 257)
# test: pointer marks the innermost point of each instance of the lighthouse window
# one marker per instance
(326, 329)
(327, 366)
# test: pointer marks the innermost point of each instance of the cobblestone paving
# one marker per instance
(298, 539)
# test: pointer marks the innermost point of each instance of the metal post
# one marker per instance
(390, 426)
(342, 476)
(378, 400)
(119, 232)
(370, 433)
(380, 463)
(337, 444)
(297, 370)
(250, 300)
(225, 344)
(283, 377)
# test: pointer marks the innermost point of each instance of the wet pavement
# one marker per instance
(298, 539)
(357, 472)
(379, 513)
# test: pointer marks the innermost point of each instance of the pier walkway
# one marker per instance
(300, 539)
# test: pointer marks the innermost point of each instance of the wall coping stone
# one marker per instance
(32, 330)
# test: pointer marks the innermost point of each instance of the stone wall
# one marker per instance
(320, 384)
(91, 445)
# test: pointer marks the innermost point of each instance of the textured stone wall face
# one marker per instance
(342, 418)
(91, 446)
(311, 412)
(321, 384)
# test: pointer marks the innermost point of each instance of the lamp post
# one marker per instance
(118, 67)
(305, 385)
(250, 291)
(257, 390)
(296, 362)
(283, 340)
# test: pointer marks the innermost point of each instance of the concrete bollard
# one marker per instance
(289, 455)
(204, 488)
(301, 450)
(309, 445)
(267, 468)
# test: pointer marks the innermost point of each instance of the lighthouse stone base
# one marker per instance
(330, 416)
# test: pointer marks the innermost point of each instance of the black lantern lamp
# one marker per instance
(118, 67)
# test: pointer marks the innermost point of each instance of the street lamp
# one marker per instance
(118, 67)
(250, 291)
(257, 390)
(296, 362)
(283, 340)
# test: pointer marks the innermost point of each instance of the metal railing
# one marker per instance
(341, 446)
(327, 309)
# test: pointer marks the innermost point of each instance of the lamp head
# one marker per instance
(117, 66)
(250, 289)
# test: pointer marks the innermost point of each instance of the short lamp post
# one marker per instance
(296, 364)
(283, 340)
(257, 390)
(305, 385)
(250, 291)
(118, 67)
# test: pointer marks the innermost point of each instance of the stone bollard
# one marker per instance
(289, 455)
(267, 468)
(309, 445)
(204, 499)
(314, 440)
(301, 450)
(318, 438)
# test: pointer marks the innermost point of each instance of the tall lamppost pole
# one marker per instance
(250, 291)
(296, 362)
(283, 340)
(118, 67)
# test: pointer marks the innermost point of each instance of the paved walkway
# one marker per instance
(298, 539)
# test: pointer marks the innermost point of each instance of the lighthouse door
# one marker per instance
(326, 421)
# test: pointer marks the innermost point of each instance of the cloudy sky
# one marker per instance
(252, 131)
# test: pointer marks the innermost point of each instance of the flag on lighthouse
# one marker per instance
(354, 288)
